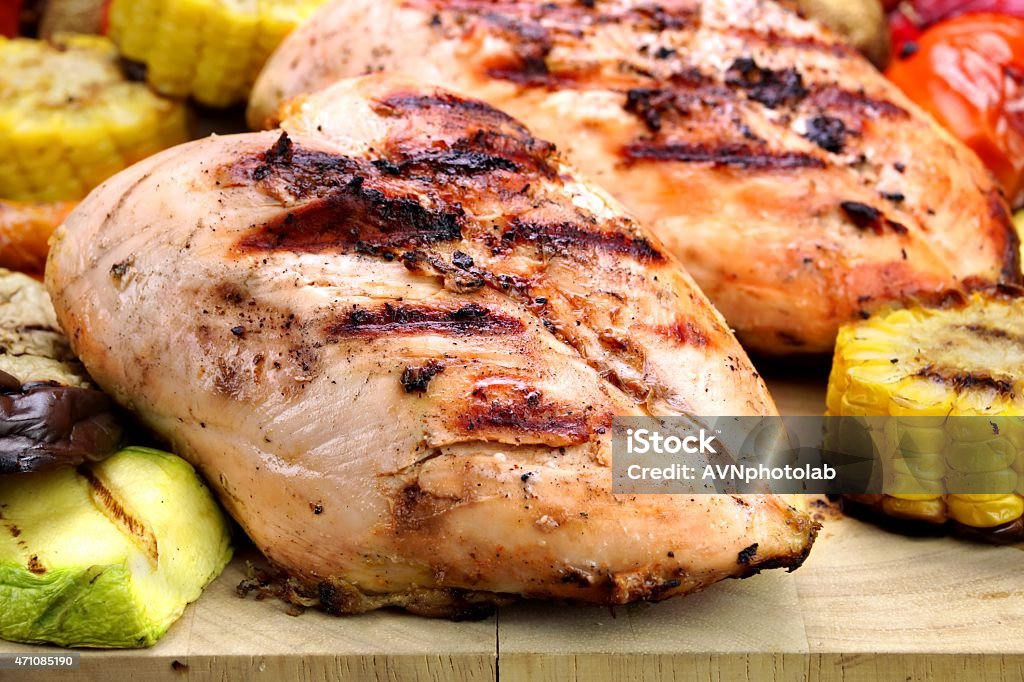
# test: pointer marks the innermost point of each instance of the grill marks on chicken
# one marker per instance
(734, 129)
(698, 97)
(376, 207)
(391, 320)
(503, 409)
(415, 202)
(400, 375)
(418, 212)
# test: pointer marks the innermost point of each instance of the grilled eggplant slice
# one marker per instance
(50, 414)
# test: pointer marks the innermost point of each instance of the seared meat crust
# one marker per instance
(797, 185)
(393, 337)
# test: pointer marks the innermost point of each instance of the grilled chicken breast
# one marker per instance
(798, 186)
(393, 338)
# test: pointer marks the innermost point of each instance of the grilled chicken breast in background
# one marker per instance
(797, 185)
(394, 339)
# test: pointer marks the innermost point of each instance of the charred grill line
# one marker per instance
(344, 210)
(732, 155)
(776, 39)
(995, 333)
(531, 44)
(488, 139)
(521, 409)
(963, 380)
(566, 18)
(453, 161)
(855, 104)
(475, 110)
(388, 320)
(356, 216)
(116, 512)
(566, 237)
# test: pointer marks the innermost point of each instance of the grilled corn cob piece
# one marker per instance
(919, 367)
(69, 118)
(211, 50)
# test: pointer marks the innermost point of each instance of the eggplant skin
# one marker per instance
(109, 554)
(45, 426)
(51, 415)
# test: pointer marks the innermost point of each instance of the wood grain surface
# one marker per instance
(867, 605)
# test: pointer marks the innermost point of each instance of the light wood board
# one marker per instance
(867, 605)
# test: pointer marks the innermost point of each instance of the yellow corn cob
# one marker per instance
(211, 50)
(920, 365)
(69, 118)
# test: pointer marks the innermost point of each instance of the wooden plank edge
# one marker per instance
(778, 667)
(315, 668)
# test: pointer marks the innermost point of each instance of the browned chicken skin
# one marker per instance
(798, 186)
(394, 340)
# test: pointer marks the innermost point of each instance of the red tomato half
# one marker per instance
(968, 72)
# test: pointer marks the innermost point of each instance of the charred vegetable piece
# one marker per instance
(107, 555)
(69, 118)
(44, 426)
(216, 65)
(50, 414)
(921, 365)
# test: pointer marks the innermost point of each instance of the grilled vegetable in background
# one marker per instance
(909, 18)
(400, 333)
(962, 358)
(108, 554)
(861, 22)
(798, 186)
(25, 230)
(50, 414)
(207, 49)
(968, 72)
(69, 118)
(71, 16)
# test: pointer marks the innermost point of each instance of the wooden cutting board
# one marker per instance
(867, 605)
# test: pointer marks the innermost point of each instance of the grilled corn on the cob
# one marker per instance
(919, 367)
(69, 118)
(211, 50)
